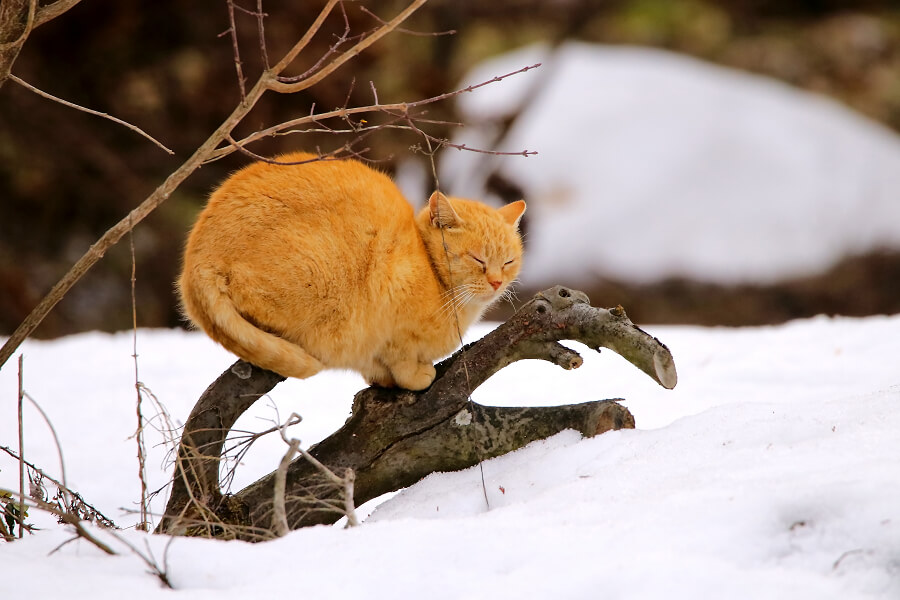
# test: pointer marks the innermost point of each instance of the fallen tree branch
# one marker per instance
(395, 437)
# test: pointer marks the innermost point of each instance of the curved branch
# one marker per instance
(399, 109)
(48, 12)
(90, 111)
(9, 21)
(395, 437)
(289, 88)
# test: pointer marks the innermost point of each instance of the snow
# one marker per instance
(655, 165)
(771, 471)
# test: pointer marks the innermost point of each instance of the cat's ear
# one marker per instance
(442, 213)
(513, 212)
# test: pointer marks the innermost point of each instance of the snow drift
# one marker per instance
(653, 165)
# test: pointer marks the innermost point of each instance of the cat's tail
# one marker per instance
(206, 302)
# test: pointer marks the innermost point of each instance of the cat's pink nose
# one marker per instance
(495, 284)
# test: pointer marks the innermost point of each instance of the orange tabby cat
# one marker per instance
(325, 265)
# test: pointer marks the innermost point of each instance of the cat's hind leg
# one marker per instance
(378, 374)
(207, 303)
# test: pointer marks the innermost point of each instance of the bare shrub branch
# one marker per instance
(398, 110)
(97, 113)
(286, 88)
(279, 514)
(75, 501)
(237, 52)
(408, 31)
(69, 518)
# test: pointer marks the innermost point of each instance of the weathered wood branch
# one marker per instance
(395, 437)
(18, 18)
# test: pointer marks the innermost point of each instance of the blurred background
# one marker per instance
(712, 162)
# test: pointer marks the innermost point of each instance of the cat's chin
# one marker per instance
(491, 296)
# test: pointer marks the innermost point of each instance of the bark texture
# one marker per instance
(395, 437)
(18, 18)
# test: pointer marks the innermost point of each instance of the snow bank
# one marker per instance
(769, 472)
(654, 165)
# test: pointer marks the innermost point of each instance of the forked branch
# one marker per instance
(395, 437)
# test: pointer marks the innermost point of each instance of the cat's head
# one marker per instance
(475, 247)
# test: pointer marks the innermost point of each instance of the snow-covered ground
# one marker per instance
(653, 165)
(771, 471)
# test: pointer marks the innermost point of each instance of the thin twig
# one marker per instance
(234, 48)
(349, 92)
(143, 525)
(393, 124)
(345, 484)
(44, 94)
(21, 447)
(72, 520)
(261, 31)
(471, 403)
(342, 39)
(279, 513)
(400, 108)
(349, 506)
(307, 37)
(59, 451)
(286, 88)
(344, 151)
(78, 499)
(447, 143)
(246, 440)
(408, 31)
(150, 560)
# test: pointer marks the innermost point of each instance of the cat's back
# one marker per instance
(335, 212)
(314, 190)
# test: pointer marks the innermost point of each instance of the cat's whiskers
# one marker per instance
(457, 298)
(450, 292)
(511, 289)
(449, 297)
(509, 294)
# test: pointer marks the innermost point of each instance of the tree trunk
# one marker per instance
(395, 437)
(13, 32)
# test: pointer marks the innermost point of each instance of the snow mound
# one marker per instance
(673, 502)
(653, 165)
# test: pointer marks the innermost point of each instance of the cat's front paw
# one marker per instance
(415, 377)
